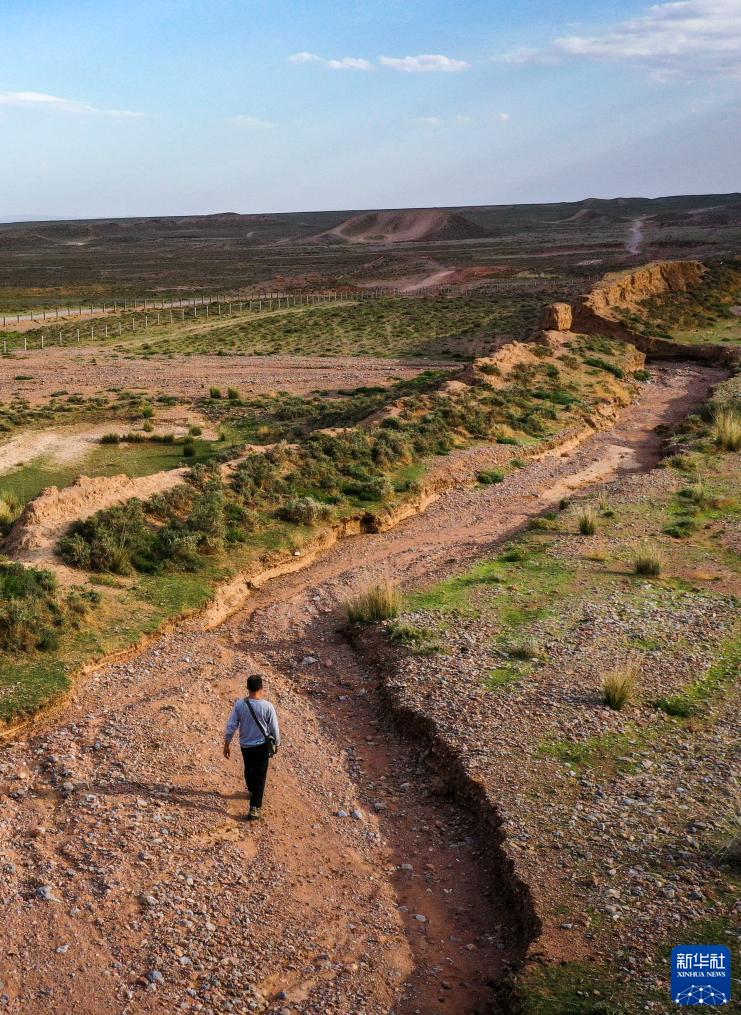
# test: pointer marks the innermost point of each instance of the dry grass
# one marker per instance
(618, 686)
(378, 602)
(648, 561)
(727, 428)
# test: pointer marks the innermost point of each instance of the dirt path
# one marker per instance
(435, 278)
(127, 816)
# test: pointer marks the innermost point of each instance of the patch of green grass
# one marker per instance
(600, 988)
(140, 459)
(506, 675)
(722, 672)
(25, 687)
(574, 988)
(419, 639)
(454, 593)
(605, 749)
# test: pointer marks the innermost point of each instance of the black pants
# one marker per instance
(256, 761)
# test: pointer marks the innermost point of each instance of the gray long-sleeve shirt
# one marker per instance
(250, 734)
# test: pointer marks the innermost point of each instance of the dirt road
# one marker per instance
(129, 882)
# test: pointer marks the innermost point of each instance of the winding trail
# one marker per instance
(164, 900)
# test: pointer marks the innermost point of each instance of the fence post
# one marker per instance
(25, 343)
(42, 339)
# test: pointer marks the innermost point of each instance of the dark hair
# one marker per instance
(254, 683)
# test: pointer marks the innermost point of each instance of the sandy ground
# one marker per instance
(66, 444)
(128, 878)
(96, 370)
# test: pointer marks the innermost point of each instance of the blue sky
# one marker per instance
(196, 106)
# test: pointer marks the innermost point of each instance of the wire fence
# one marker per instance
(146, 313)
(59, 312)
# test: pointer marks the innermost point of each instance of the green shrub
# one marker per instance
(110, 438)
(304, 511)
(33, 612)
(10, 510)
(214, 392)
(189, 448)
(232, 394)
(490, 476)
(603, 364)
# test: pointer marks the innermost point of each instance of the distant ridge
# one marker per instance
(410, 226)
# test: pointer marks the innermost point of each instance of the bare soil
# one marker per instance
(97, 370)
(125, 814)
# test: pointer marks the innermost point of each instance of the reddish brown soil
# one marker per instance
(145, 848)
(94, 370)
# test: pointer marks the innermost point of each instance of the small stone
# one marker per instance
(155, 976)
(45, 892)
(342, 814)
(357, 814)
(420, 918)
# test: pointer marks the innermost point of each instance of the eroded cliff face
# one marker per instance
(624, 290)
(597, 312)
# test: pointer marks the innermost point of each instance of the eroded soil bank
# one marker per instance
(128, 878)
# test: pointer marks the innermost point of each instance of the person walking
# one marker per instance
(259, 738)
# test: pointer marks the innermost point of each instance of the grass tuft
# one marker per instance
(648, 561)
(378, 602)
(618, 686)
(587, 522)
(727, 428)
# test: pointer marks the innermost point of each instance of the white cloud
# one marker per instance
(435, 121)
(424, 63)
(341, 63)
(349, 63)
(55, 104)
(671, 40)
(249, 122)
(305, 58)
(503, 117)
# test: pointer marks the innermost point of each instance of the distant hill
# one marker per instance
(431, 224)
(401, 225)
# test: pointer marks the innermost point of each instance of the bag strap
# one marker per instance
(260, 726)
